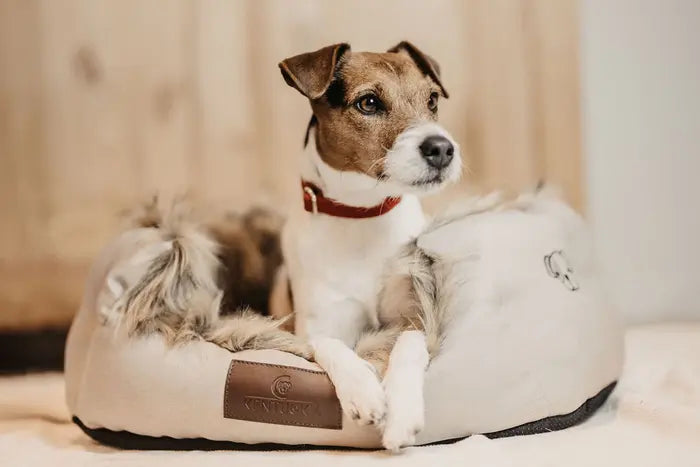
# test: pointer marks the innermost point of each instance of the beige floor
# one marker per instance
(652, 419)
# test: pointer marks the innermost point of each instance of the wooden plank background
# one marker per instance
(103, 103)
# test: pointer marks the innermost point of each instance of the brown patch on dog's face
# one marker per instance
(351, 140)
(370, 99)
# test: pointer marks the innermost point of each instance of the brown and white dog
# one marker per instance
(373, 146)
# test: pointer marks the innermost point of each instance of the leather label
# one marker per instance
(282, 395)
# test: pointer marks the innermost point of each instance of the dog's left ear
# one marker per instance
(311, 73)
(425, 62)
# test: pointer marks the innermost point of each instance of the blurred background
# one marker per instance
(106, 102)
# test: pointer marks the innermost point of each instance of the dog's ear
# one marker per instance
(311, 73)
(425, 62)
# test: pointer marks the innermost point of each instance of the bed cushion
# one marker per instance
(535, 353)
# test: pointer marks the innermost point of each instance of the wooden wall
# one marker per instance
(104, 102)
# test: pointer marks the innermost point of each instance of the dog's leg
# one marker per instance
(356, 383)
(403, 385)
(332, 322)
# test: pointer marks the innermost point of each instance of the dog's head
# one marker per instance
(376, 114)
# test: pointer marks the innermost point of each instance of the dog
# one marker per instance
(373, 145)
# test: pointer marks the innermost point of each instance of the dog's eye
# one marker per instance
(369, 104)
(433, 102)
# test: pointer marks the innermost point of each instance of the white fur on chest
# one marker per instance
(337, 263)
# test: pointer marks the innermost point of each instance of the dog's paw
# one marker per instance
(403, 386)
(356, 383)
(404, 421)
(361, 394)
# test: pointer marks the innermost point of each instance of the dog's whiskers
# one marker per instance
(374, 164)
(466, 169)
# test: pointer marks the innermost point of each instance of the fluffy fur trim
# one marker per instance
(174, 291)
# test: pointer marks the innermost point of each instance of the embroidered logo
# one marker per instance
(558, 267)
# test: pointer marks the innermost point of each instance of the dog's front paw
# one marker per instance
(404, 421)
(403, 385)
(356, 383)
(361, 394)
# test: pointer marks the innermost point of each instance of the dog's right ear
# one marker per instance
(311, 73)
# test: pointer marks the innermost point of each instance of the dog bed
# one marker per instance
(539, 350)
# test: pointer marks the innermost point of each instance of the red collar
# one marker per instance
(315, 202)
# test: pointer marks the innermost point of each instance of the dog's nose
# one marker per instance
(437, 151)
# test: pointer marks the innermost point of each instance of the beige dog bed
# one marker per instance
(545, 370)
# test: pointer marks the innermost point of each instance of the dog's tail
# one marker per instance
(171, 289)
